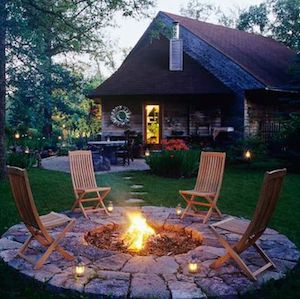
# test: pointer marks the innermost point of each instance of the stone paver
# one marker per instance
(119, 275)
(148, 286)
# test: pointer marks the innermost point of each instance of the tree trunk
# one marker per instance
(2, 87)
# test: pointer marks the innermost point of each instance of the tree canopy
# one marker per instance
(32, 34)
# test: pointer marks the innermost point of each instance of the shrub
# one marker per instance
(174, 163)
(174, 145)
(64, 150)
(255, 145)
(22, 160)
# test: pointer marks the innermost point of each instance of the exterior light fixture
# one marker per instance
(59, 138)
(178, 210)
(17, 135)
(147, 152)
(110, 207)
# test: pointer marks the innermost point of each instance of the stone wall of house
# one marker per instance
(265, 119)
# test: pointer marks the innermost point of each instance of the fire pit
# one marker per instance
(139, 238)
(168, 260)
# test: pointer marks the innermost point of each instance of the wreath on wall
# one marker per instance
(120, 116)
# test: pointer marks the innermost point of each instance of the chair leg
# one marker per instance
(82, 209)
(53, 246)
(25, 245)
(231, 253)
(188, 202)
(208, 214)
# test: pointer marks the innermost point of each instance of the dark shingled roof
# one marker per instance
(264, 58)
(146, 72)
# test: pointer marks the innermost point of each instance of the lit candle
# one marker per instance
(193, 265)
(110, 207)
(147, 153)
(178, 210)
(79, 270)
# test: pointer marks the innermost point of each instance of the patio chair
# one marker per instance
(208, 185)
(84, 183)
(37, 225)
(252, 231)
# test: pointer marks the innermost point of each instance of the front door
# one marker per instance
(152, 124)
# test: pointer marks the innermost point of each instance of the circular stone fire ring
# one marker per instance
(123, 275)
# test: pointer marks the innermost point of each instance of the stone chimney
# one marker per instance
(176, 50)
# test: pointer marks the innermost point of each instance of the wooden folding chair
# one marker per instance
(84, 183)
(251, 232)
(208, 185)
(37, 226)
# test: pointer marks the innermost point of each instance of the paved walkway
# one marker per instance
(61, 163)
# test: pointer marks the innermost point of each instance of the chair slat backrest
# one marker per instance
(82, 170)
(23, 197)
(269, 195)
(211, 170)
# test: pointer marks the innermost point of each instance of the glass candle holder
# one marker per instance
(110, 207)
(178, 210)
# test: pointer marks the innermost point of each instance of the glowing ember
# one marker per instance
(138, 232)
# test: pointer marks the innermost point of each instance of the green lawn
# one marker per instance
(53, 191)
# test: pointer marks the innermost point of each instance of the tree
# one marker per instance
(33, 32)
(2, 86)
(286, 27)
(198, 10)
(254, 19)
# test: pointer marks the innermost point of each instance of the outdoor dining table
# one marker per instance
(108, 149)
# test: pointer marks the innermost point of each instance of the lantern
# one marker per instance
(79, 270)
(147, 153)
(178, 210)
(110, 207)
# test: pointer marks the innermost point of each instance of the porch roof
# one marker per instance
(146, 72)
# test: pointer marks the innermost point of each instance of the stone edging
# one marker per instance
(120, 275)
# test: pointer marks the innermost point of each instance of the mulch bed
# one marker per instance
(164, 243)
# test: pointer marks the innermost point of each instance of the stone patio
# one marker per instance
(120, 275)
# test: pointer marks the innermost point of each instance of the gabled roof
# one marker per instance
(145, 71)
(263, 57)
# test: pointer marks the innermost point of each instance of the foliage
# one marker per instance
(279, 19)
(22, 160)
(255, 19)
(256, 146)
(35, 35)
(176, 163)
(198, 10)
(174, 145)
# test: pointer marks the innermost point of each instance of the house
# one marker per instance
(190, 78)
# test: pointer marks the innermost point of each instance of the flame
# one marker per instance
(138, 232)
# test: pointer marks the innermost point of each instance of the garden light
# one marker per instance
(147, 153)
(193, 266)
(79, 270)
(110, 207)
(248, 155)
(17, 135)
(178, 210)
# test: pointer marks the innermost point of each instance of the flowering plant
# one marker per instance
(174, 145)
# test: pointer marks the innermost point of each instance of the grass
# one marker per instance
(53, 191)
